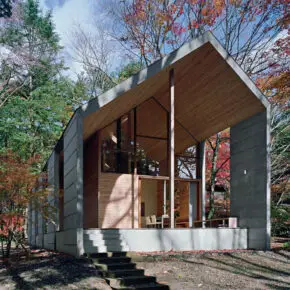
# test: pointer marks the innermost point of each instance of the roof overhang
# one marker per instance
(212, 92)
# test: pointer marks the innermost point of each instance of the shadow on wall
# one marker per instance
(115, 201)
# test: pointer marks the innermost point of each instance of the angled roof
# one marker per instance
(212, 93)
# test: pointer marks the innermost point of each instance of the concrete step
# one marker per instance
(120, 273)
(148, 286)
(107, 254)
(90, 248)
(103, 233)
(112, 260)
(130, 281)
(97, 255)
(102, 237)
(107, 243)
(117, 266)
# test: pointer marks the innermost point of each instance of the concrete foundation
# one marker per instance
(149, 240)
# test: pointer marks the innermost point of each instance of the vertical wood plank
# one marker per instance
(135, 141)
(139, 203)
(171, 149)
(99, 168)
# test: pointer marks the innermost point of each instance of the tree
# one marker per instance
(17, 181)
(93, 53)
(30, 48)
(36, 101)
(217, 165)
(126, 71)
(5, 8)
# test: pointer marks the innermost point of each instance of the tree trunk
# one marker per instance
(213, 176)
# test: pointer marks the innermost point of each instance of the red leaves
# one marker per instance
(17, 181)
(223, 160)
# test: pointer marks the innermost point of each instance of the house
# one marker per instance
(116, 161)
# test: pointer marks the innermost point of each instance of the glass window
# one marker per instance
(186, 163)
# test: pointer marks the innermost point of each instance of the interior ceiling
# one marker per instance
(209, 97)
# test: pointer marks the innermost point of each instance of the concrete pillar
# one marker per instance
(49, 237)
(40, 231)
(250, 178)
(72, 238)
(56, 189)
(29, 224)
(200, 174)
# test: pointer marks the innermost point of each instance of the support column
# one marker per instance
(200, 174)
(171, 147)
(250, 178)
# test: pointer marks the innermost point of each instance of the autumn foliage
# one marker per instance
(17, 183)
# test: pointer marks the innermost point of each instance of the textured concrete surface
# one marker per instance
(250, 178)
(149, 240)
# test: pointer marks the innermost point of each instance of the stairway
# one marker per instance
(121, 273)
(102, 241)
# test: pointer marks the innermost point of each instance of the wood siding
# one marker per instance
(117, 193)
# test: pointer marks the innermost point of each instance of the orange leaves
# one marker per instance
(276, 87)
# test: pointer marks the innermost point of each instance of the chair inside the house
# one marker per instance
(157, 224)
(148, 221)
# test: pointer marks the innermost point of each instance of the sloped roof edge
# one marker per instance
(163, 63)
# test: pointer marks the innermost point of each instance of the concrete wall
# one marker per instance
(70, 240)
(32, 225)
(40, 231)
(250, 178)
(49, 235)
(29, 224)
(149, 240)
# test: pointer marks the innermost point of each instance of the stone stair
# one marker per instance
(120, 273)
(102, 241)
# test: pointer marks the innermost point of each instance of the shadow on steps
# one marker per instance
(120, 273)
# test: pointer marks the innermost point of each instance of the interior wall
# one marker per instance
(149, 197)
(118, 200)
(183, 200)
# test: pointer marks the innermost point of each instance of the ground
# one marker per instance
(233, 270)
(194, 270)
(49, 270)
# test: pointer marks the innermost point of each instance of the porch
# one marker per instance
(149, 240)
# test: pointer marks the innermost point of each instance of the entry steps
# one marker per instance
(120, 273)
(102, 241)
